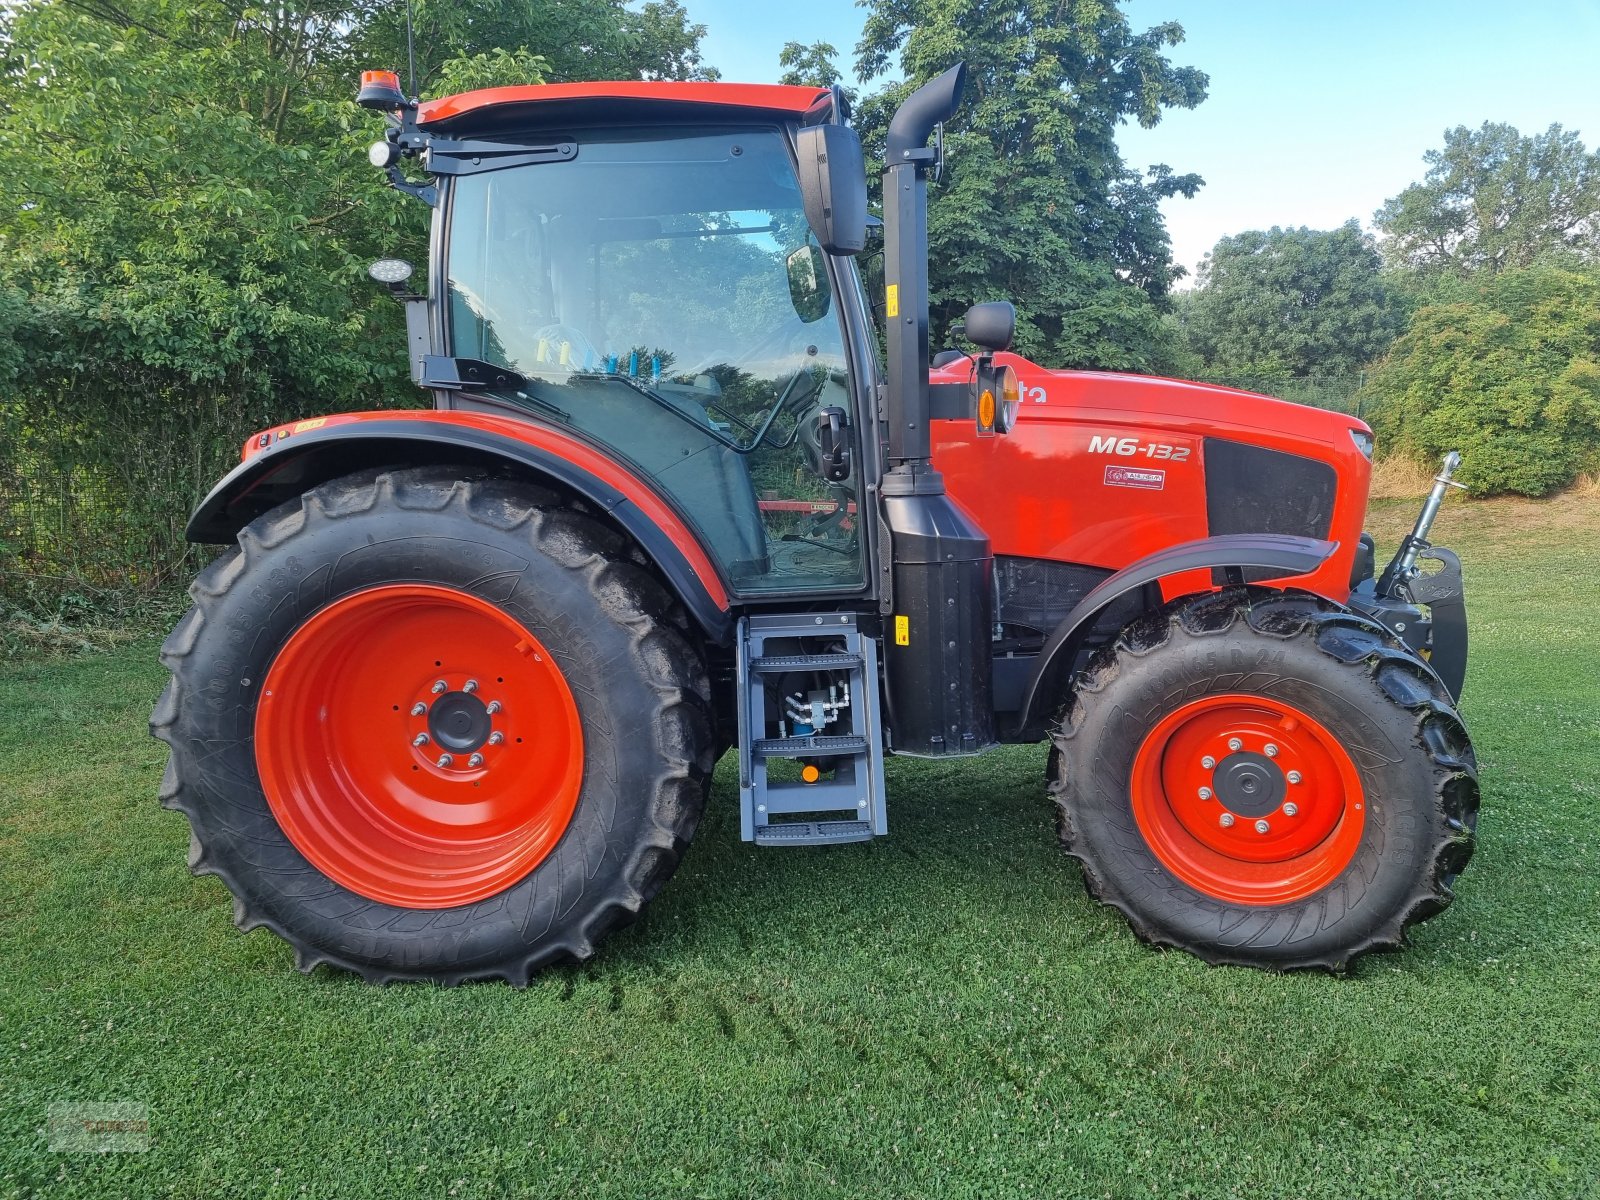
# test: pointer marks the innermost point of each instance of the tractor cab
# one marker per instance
(640, 271)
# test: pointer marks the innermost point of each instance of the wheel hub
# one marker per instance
(459, 722)
(1249, 784)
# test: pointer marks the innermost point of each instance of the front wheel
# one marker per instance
(1265, 778)
(426, 727)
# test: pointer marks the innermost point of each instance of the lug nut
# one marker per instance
(494, 707)
(418, 709)
(1225, 820)
(445, 760)
(1271, 751)
(1235, 744)
(470, 686)
(1291, 809)
(475, 761)
(439, 685)
(420, 740)
(1295, 777)
(1262, 827)
(1208, 762)
(1205, 793)
(496, 738)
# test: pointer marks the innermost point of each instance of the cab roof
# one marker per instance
(633, 100)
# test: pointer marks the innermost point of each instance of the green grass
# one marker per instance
(942, 1014)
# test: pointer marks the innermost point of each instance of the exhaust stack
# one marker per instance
(937, 659)
(905, 218)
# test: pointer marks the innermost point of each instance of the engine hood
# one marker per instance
(1177, 404)
(1102, 468)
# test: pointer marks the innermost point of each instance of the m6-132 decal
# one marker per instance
(1130, 447)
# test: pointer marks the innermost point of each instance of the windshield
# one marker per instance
(663, 294)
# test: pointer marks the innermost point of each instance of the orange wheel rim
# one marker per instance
(1248, 799)
(419, 746)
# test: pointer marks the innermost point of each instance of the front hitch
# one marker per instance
(1403, 567)
(1441, 635)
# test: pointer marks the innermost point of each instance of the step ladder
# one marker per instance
(831, 725)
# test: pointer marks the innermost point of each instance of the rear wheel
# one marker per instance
(430, 728)
(1265, 778)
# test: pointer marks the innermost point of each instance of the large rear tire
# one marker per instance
(431, 728)
(1266, 779)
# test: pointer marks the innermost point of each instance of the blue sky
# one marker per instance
(1318, 112)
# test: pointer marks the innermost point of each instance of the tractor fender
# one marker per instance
(1282, 555)
(283, 462)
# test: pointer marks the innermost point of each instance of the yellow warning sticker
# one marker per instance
(892, 300)
(902, 631)
(314, 423)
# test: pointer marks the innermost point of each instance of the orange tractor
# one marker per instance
(447, 706)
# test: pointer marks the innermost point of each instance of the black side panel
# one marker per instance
(1036, 593)
(1250, 489)
(937, 656)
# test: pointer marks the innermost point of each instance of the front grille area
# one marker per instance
(1250, 489)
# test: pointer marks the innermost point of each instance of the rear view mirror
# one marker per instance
(991, 325)
(808, 283)
(833, 185)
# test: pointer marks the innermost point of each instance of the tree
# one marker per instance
(576, 39)
(812, 66)
(1288, 303)
(1507, 372)
(1494, 200)
(1036, 204)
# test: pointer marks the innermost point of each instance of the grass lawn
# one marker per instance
(944, 1013)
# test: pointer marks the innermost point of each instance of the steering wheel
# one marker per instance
(790, 342)
(580, 350)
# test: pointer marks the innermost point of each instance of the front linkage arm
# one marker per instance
(1443, 637)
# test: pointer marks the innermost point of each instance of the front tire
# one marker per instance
(1266, 779)
(432, 728)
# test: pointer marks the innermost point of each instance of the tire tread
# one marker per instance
(662, 652)
(1356, 644)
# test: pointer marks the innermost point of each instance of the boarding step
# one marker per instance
(818, 745)
(785, 663)
(814, 833)
(808, 690)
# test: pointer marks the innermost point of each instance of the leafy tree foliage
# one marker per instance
(186, 218)
(1036, 204)
(576, 39)
(1506, 369)
(1493, 200)
(809, 66)
(1287, 303)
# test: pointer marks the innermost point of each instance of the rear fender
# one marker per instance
(284, 462)
(1276, 557)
